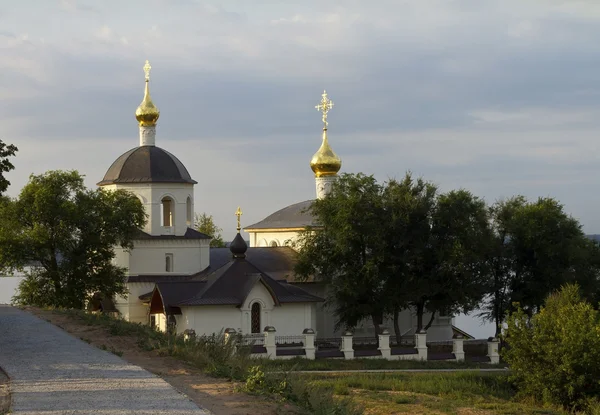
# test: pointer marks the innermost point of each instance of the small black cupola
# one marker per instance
(238, 246)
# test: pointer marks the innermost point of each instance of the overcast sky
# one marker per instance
(499, 97)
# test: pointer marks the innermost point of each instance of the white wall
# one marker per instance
(209, 319)
(148, 256)
(151, 195)
(130, 307)
(267, 237)
(8, 288)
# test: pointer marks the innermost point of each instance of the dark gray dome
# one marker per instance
(147, 164)
(238, 247)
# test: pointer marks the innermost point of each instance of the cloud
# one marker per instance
(500, 96)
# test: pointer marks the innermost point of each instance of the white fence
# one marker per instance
(271, 346)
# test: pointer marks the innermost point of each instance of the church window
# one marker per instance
(152, 320)
(274, 244)
(255, 318)
(169, 262)
(189, 212)
(167, 208)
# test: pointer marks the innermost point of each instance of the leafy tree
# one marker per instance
(70, 232)
(205, 223)
(447, 270)
(6, 151)
(346, 251)
(537, 248)
(554, 356)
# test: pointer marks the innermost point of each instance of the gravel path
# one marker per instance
(53, 373)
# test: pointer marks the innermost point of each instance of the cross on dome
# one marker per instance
(324, 106)
(147, 68)
(239, 214)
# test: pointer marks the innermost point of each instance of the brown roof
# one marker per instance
(147, 164)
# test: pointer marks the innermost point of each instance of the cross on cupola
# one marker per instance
(324, 106)
(239, 214)
(147, 68)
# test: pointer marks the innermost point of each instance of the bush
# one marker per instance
(555, 356)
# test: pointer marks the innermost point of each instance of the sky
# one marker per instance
(501, 97)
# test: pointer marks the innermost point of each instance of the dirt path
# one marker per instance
(4, 393)
(216, 395)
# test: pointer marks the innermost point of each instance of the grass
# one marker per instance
(462, 393)
(369, 364)
(427, 393)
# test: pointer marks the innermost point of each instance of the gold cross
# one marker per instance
(239, 213)
(147, 68)
(324, 106)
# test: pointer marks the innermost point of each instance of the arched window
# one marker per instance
(189, 212)
(167, 208)
(255, 318)
(274, 244)
(169, 262)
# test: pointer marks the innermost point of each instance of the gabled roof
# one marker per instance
(296, 216)
(230, 284)
(277, 262)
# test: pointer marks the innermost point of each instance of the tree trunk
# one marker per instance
(430, 321)
(377, 320)
(397, 326)
(420, 307)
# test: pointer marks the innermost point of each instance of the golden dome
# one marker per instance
(325, 162)
(147, 113)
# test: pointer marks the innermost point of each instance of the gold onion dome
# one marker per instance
(147, 113)
(325, 162)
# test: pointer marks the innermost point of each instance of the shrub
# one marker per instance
(555, 355)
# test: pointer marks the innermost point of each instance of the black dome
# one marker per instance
(147, 164)
(238, 246)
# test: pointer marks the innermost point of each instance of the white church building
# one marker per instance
(174, 277)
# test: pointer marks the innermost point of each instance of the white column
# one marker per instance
(421, 344)
(324, 185)
(493, 350)
(309, 343)
(458, 349)
(270, 344)
(147, 136)
(347, 347)
(384, 344)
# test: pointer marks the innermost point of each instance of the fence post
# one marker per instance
(458, 349)
(189, 334)
(384, 344)
(421, 344)
(270, 344)
(347, 347)
(230, 334)
(493, 350)
(309, 343)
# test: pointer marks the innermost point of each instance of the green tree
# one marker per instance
(445, 256)
(345, 252)
(537, 249)
(70, 232)
(554, 356)
(6, 151)
(205, 223)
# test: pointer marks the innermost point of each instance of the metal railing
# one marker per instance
(289, 341)
(253, 339)
(328, 343)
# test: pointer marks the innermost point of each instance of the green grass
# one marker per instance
(369, 364)
(447, 393)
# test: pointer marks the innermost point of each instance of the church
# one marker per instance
(174, 278)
